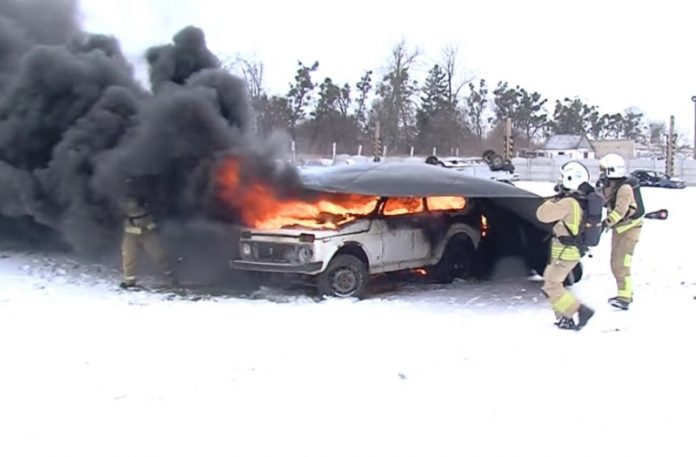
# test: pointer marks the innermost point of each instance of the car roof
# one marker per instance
(405, 179)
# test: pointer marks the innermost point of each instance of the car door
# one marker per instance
(404, 243)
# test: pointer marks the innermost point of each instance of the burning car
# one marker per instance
(438, 234)
(375, 218)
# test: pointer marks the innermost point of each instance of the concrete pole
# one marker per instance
(508, 138)
(669, 160)
(693, 99)
(376, 146)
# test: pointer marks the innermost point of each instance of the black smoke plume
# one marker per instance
(75, 126)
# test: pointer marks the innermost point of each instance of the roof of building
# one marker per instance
(561, 142)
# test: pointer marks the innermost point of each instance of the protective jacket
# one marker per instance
(566, 215)
(624, 207)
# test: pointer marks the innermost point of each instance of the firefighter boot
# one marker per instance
(126, 284)
(585, 313)
(620, 302)
(566, 323)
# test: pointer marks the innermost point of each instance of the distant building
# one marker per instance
(569, 146)
(625, 148)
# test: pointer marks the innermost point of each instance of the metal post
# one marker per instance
(359, 150)
(292, 149)
(435, 151)
(412, 151)
(333, 151)
(693, 99)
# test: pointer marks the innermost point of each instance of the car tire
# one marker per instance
(346, 276)
(488, 155)
(574, 276)
(497, 163)
(433, 160)
(456, 260)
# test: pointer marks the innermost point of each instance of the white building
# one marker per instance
(569, 146)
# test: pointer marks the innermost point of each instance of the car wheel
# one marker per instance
(497, 163)
(433, 160)
(574, 276)
(346, 276)
(488, 155)
(456, 260)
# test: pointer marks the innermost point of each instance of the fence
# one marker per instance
(545, 169)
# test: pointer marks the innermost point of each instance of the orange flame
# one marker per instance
(420, 271)
(260, 206)
(484, 226)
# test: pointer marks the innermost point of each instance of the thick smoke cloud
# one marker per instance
(176, 63)
(24, 23)
(75, 126)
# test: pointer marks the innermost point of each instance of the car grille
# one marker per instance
(272, 252)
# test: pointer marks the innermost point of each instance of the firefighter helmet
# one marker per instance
(612, 166)
(573, 174)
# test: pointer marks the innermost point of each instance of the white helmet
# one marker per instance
(612, 166)
(573, 174)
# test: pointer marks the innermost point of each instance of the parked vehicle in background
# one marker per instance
(650, 178)
(490, 166)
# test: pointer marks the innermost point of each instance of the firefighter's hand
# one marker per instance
(606, 225)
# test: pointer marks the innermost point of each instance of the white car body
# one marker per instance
(479, 168)
(388, 243)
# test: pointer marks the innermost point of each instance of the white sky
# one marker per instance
(613, 53)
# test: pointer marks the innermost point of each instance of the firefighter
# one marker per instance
(140, 231)
(565, 213)
(625, 219)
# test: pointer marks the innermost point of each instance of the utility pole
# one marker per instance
(669, 160)
(509, 145)
(377, 144)
(693, 99)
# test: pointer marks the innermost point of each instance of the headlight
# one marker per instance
(305, 254)
(246, 249)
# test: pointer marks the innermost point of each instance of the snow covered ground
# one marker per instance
(469, 369)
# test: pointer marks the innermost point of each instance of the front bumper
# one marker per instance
(306, 268)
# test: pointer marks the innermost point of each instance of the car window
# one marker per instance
(396, 206)
(446, 203)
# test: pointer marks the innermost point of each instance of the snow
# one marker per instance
(473, 368)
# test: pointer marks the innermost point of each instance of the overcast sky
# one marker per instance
(612, 53)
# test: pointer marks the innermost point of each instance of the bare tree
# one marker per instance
(395, 106)
(449, 62)
(251, 70)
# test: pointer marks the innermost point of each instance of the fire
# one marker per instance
(420, 272)
(446, 203)
(484, 226)
(260, 206)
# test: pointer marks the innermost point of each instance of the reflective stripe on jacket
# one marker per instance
(619, 217)
(565, 212)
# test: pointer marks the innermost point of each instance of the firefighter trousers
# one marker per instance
(562, 301)
(150, 243)
(622, 247)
